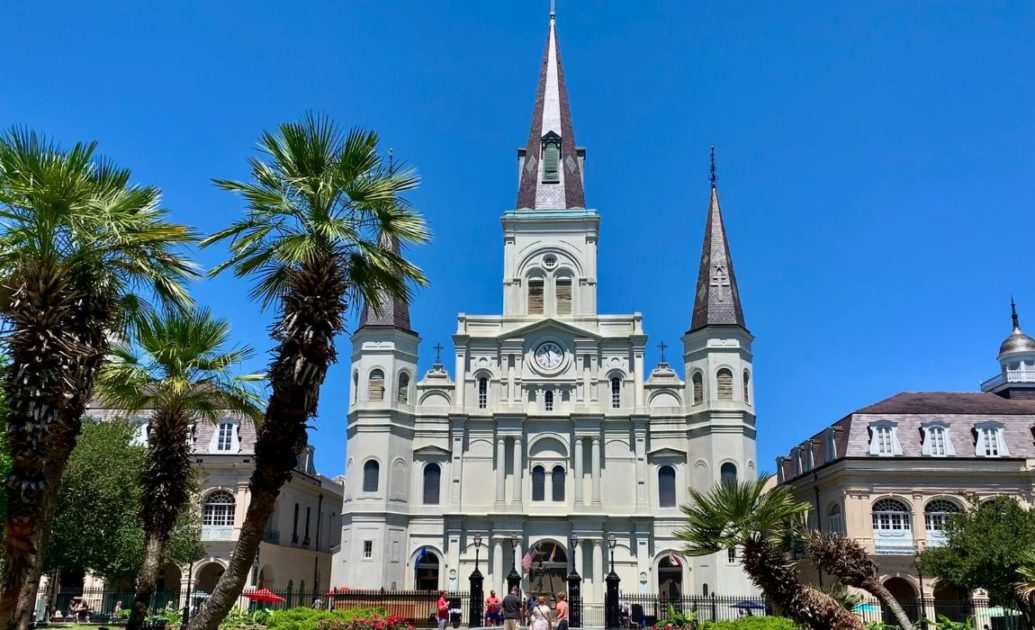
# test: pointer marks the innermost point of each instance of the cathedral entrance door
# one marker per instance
(670, 579)
(549, 571)
(426, 568)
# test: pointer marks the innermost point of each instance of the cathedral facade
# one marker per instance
(550, 441)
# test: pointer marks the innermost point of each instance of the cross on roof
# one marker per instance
(438, 352)
(662, 346)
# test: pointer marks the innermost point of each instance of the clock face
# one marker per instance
(548, 355)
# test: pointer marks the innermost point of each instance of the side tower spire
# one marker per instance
(393, 311)
(717, 300)
(550, 164)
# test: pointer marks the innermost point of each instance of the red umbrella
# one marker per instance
(264, 595)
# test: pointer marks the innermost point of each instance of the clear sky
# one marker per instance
(876, 159)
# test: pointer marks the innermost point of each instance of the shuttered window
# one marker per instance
(725, 383)
(376, 385)
(535, 296)
(551, 162)
(403, 394)
(698, 388)
(564, 296)
(747, 387)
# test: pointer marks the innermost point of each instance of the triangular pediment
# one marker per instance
(430, 449)
(550, 323)
(667, 451)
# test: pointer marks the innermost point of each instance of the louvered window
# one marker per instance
(725, 383)
(376, 385)
(564, 296)
(698, 388)
(728, 474)
(747, 387)
(403, 395)
(551, 160)
(535, 296)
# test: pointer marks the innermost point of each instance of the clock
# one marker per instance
(548, 355)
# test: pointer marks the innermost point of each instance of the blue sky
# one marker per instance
(875, 159)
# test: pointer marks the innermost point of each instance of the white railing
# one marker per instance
(217, 532)
(896, 543)
(1014, 376)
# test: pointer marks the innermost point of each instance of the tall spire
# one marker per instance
(717, 300)
(393, 311)
(1013, 315)
(551, 172)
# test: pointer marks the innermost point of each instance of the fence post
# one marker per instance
(715, 609)
(611, 613)
(574, 598)
(477, 598)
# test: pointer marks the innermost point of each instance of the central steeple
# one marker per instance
(551, 164)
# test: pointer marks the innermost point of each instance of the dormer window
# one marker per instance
(937, 442)
(989, 440)
(884, 439)
(551, 158)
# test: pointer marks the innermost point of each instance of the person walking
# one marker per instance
(443, 610)
(512, 610)
(541, 615)
(560, 611)
(492, 609)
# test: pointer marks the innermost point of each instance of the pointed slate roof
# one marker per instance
(717, 300)
(551, 114)
(394, 312)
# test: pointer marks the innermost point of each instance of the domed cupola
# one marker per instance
(1016, 378)
(1017, 343)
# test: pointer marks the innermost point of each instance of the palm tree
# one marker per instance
(1026, 573)
(323, 221)
(180, 370)
(746, 515)
(79, 247)
(846, 560)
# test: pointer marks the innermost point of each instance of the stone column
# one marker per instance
(577, 559)
(501, 469)
(578, 473)
(461, 379)
(638, 376)
(598, 570)
(518, 469)
(496, 580)
(595, 454)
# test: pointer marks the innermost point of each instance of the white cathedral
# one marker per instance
(549, 435)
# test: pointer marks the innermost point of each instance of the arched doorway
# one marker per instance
(670, 578)
(167, 587)
(951, 602)
(207, 576)
(549, 570)
(426, 568)
(906, 595)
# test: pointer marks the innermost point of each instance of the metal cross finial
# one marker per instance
(713, 178)
(662, 346)
(438, 352)
(1013, 314)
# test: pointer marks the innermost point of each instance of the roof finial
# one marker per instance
(713, 178)
(553, 10)
(1013, 315)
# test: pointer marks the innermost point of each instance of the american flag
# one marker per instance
(529, 557)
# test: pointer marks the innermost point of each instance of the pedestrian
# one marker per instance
(541, 615)
(443, 610)
(492, 609)
(529, 607)
(512, 610)
(560, 611)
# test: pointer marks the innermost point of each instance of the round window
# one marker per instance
(549, 260)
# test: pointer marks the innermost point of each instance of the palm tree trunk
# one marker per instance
(56, 345)
(884, 596)
(778, 579)
(154, 551)
(311, 316)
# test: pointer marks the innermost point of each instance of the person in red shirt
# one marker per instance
(560, 611)
(492, 609)
(443, 610)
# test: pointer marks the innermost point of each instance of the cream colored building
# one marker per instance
(891, 474)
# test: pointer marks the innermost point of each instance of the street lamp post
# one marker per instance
(574, 588)
(612, 617)
(186, 605)
(922, 612)
(476, 586)
(513, 578)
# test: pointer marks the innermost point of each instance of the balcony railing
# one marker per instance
(1015, 376)
(217, 532)
(894, 543)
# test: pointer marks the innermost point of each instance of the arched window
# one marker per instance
(834, 520)
(432, 483)
(376, 385)
(563, 287)
(616, 392)
(403, 395)
(371, 475)
(535, 296)
(483, 392)
(698, 382)
(704, 590)
(728, 474)
(355, 386)
(219, 509)
(551, 158)
(667, 486)
(724, 380)
(538, 484)
(937, 514)
(890, 516)
(557, 481)
(548, 400)
(747, 387)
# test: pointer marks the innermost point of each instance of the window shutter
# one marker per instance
(551, 163)
(725, 382)
(564, 296)
(377, 385)
(698, 388)
(535, 296)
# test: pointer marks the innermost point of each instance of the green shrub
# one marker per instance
(760, 622)
(299, 618)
